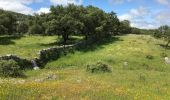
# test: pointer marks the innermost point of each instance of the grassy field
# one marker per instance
(26, 46)
(145, 77)
(132, 49)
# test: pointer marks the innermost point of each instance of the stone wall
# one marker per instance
(52, 53)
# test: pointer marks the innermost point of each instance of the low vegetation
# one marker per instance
(10, 69)
(98, 67)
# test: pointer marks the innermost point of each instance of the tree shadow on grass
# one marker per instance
(7, 40)
(164, 46)
(83, 46)
(60, 42)
(97, 44)
(49, 44)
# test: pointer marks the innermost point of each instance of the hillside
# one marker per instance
(19, 16)
(137, 63)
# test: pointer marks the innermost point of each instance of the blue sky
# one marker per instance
(146, 14)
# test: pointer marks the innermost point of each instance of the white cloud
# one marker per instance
(141, 11)
(125, 17)
(135, 13)
(16, 7)
(143, 24)
(137, 17)
(143, 18)
(43, 10)
(164, 2)
(118, 1)
(163, 17)
(66, 2)
(20, 6)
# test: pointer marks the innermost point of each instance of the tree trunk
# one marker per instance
(86, 37)
(167, 43)
(65, 38)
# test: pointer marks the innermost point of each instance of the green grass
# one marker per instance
(141, 79)
(27, 46)
(131, 48)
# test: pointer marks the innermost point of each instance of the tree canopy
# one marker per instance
(164, 33)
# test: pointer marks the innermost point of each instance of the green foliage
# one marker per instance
(51, 27)
(67, 26)
(124, 27)
(163, 32)
(98, 67)
(35, 29)
(149, 56)
(22, 27)
(135, 31)
(147, 31)
(89, 21)
(163, 54)
(157, 34)
(7, 22)
(3, 30)
(10, 68)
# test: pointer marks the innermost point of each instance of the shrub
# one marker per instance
(35, 29)
(98, 67)
(10, 68)
(149, 57)
(3, 30)
(142, 77)
(163, 55)
(146, 66)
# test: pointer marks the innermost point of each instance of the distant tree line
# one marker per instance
(163, 32)
(7, 22)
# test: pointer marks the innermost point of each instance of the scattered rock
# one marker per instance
(125, 63)
(48, 77)
(51, 77)
(39, 80)
(78, 80)
(21, 81)
(36, 68)
(167, 60)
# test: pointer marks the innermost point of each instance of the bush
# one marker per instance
(35, 29)
(142, 77)
(3, 30)
(98, 67)
(10, 68)
(163, 55)
(22, 28)
(149, 57)
(146, 66)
